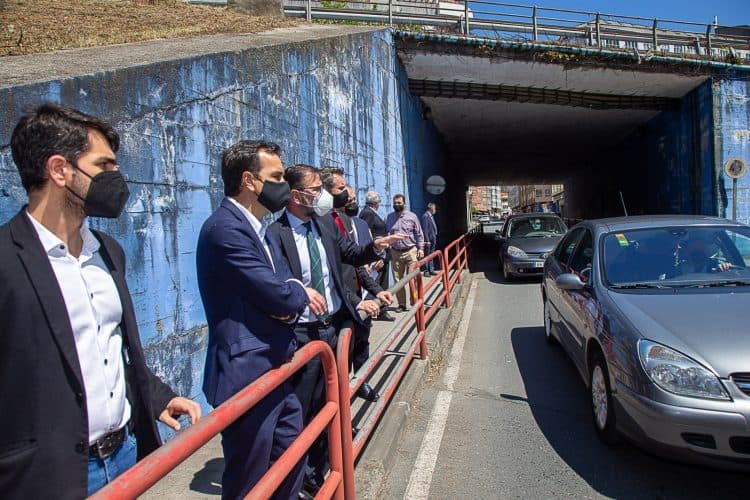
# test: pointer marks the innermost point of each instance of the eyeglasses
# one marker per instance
(314, 189)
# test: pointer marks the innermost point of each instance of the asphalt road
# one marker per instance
(518, 423)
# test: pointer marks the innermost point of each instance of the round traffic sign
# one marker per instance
(435, 184)
(735, 167)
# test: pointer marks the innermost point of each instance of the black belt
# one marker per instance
(107, 444)
(402, 249)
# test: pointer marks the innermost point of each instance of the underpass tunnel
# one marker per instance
(619, 137)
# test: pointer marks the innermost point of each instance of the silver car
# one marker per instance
(655, 314)
(525, 242)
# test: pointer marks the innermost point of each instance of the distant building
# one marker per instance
(539, 197)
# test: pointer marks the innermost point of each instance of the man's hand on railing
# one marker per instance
(385, 241)
(370, 307)
(180, 406)
(385, 297)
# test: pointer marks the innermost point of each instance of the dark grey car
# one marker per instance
(655, 314)
(525, 241)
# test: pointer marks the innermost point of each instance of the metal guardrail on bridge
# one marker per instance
(524, 23)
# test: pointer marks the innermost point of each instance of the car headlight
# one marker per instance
(675, 372)
(517, 253)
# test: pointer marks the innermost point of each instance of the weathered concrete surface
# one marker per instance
(329, 95)
(16, 70)
(257, 7)
(732, 117)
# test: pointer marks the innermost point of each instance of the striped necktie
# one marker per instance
(316, 268)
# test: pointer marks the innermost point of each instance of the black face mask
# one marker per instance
(339, 200)
(274, 195)
(398, 208)
(108, 192)
(352, 209)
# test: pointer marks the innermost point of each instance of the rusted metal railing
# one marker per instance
(158, 464)
(537, 24)
(335, 415)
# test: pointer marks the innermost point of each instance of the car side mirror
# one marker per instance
(569, 281)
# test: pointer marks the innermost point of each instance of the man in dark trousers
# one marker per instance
(79, 405)
(370, 215)
(359, 279)
(429, 229)
(251, 301)
(314, 249)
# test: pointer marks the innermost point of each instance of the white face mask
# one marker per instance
(323, 203)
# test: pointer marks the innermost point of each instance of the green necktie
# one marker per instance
(316, 269)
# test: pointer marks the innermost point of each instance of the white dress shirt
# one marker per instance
(258, 226)
(300, 240)
(95, 312)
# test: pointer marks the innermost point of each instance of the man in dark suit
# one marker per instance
(251, 302)
(78, 403)
(429, 229)
(360, 279)
(370, 215)
(314, 249)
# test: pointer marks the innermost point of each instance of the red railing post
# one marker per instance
(444, 277)
(345, 412)
(461, 255)
(421, 321)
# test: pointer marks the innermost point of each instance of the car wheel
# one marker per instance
(548, 324)
(601, 401)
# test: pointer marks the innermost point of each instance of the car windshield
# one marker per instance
(677, 256)
(529, 227)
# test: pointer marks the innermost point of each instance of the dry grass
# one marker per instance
(34, 26)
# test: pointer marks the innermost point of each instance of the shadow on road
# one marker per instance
(208, 479)
(559, 402)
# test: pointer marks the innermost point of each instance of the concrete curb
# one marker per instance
(371, 470)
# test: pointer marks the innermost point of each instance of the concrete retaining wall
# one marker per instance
(732, 117)
(339, 101)
(666, 166)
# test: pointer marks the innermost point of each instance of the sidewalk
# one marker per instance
(199, 477)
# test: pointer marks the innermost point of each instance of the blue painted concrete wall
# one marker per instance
(340, 101)
(732, 116)
(666, 166)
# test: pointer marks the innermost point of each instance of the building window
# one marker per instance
(538, 193)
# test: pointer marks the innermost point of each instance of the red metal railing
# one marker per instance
(158, 464)
(418, 315)
(353, 446)
(336, 413)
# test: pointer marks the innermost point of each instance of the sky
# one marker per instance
(729, 12)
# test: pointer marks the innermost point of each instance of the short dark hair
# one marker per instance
(399, 195)
(326, 175)
(240, 158)
(51, 129)
(297, 174)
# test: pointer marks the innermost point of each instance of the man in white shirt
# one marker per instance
(79, 403)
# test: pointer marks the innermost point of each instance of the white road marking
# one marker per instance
(421, 476)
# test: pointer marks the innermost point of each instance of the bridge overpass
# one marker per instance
(377, 102)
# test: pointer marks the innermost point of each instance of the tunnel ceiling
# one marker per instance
(518, 121)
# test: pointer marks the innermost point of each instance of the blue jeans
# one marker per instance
(102, 472)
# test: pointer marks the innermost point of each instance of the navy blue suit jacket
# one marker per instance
(241, 292)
